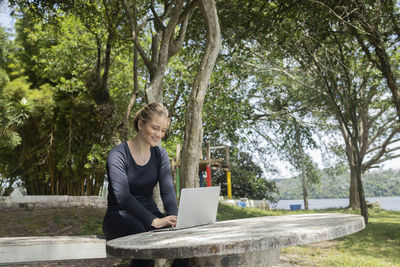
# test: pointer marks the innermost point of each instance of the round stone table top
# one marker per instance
(237, 236)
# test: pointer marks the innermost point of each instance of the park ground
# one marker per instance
(377, 245)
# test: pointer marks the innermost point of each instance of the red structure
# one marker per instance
(208, 170)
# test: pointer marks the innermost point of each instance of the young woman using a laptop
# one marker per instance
(133, 168)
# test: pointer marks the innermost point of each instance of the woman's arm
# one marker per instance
(167, 190)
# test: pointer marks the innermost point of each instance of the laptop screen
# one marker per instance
(198, 206)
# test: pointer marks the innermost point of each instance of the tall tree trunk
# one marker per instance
(354, 199)
(303, 181)
(194, 127)
(154, 90)
(354, 202)
(302, 163)
(360, 187)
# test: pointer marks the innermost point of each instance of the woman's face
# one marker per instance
(153, 130)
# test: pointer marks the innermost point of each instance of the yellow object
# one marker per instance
(229, 184)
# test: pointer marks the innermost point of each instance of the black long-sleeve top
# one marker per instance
(131, 186)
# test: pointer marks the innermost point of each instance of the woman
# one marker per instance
(133, 169)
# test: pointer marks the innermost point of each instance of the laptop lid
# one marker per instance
(198, 206)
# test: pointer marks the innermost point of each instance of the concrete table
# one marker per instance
(243, 242)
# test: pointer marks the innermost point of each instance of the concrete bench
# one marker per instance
(243, 242)
(45, 202)
(50, 248)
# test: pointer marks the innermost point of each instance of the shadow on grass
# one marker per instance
(380, 238)
(53, 221)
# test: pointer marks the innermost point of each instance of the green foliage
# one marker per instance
(227, 108)
(312, 172)
(383, 183)
(26, 114)
(4, 48)
(263, 98)
(247, 179)
(25, 118)
(54, 130)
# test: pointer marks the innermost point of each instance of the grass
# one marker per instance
(377, 245)
(68, 221)
(227, 212)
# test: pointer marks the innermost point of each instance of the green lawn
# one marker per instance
(377, 245)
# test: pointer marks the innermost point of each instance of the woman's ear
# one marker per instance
(140, 124)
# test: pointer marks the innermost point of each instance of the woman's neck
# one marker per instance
(139, 145)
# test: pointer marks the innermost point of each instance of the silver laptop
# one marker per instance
(197, 206)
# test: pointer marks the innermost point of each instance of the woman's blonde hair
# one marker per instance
(145, 113)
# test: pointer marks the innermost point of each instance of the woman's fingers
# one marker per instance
(163, 222)
(172, 220)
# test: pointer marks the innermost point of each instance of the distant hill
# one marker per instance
(377, 183)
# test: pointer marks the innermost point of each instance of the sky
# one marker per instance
(5, 20)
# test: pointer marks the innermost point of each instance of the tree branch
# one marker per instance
(133, 29)
(158, 23)
(176, 45)
(367, 165)
(382, 150)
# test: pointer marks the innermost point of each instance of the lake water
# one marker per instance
(387, 203)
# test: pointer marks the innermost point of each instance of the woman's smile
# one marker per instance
(154, 130)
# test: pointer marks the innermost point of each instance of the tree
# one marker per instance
(316, 43)
(165, 43)
(26, 121)
(247, 179)
(104, 18)
(9, 138)
(309, 172)
(350, 89)
(71, 147)
(281, 116)
(193, 128)
(374, 25)
(291, 138)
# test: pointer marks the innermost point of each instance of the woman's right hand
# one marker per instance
(164, 222)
